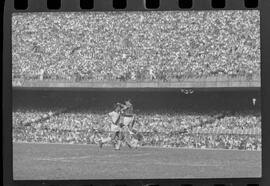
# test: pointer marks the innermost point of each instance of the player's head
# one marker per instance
(117, 107)
(128, 102)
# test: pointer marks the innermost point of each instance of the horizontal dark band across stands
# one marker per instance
(216, 82)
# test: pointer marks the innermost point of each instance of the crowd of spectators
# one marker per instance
(135, 46)
(156, 129)
(203, 141)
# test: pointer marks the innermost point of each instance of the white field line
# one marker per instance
(64, 159)
(74, 158)
(157, 147)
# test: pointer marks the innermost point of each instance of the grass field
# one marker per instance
(59, 161)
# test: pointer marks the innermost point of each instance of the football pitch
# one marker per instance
(65, 162)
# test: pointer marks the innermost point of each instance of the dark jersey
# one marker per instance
(127, 110)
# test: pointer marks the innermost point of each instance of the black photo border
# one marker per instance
(135, 5)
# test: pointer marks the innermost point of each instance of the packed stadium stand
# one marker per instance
(137, 46)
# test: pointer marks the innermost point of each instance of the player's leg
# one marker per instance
(98, 140)
(115, 137)
(134, 143)
(112, 138)
(117, 145)
(118, 140)
(106, 139)
(121, 139)
(127, 138)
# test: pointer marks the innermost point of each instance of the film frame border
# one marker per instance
(131, 5)
(134, 5)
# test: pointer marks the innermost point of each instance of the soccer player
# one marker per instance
(128, 120)
(115, 128)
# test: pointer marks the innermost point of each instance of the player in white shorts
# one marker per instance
(115, 128)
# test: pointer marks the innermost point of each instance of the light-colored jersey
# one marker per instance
(114, 116)
(128, 120)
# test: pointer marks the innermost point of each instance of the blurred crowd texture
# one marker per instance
(135, 46)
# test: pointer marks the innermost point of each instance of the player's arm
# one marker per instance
(120, 104)
(124, 108)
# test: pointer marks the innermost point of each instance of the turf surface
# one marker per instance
(59, 161)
